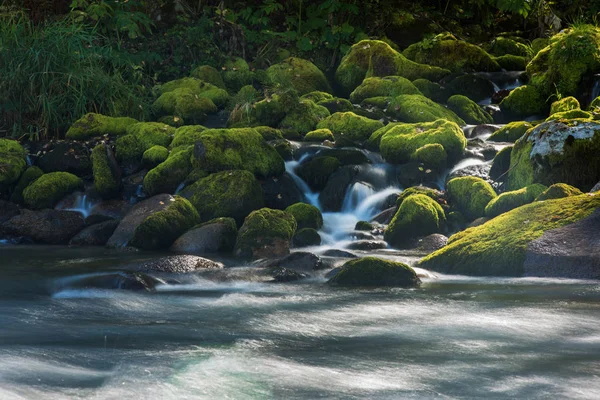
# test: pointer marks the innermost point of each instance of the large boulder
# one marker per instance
(140, 137)
(199, 88)
(91, 125)
(306, 215)
(336, 183)
(557, 151)
(302, 74)
(208, 74)
(470, 195)
(558, 191)
(499, 247)
(44, 226)
(282, 192)
(187, 135)
(12, 162)
(236, 73)
(473, 86)
(417, 216)
(302, 118)
(107, 174)
(184, 103)
(524, 101)
(215, 236)
(27, 178)
(510, 200)
(417, 108)
(349, 126)
(371, 271)
(48, 189)
(66, 156)
(266, 233)
(180, 264)
(468, 110)
(168, 175)
(389, 86)
(317, 171)
(511, 132)
(95, 235)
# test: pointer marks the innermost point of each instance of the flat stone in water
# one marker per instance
(179, 264)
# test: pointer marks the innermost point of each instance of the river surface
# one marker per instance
(454, 337)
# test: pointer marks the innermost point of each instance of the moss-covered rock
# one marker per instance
(447, 52)
(336, 104)
(162, 228)
(379, 103)
(49, 189)
(12, 161)
(512, 63)
(524, 101)
(538, 44)
(417, 216)
(363, 226)
(303, 75)
(142, 136)
(265, 233)
(154, 156)
(510, 132)
(375, 138)
(468, 110)
(319, 135)
(558, 191)
(187, 135)
(511, 200)
(184, 103)
(470, 195)
(306, 237)
(349, 126)
(390, 86)
(107, 176)
(371, 271)
(501, 164)
(498, 247)
(572, 114)
(432, 156)
(217, 95)
(502, 46)
(400, 143)
(236, 74)
(303, 118)
(369, 58)
(434, 194)
(565, 104)
(474, 86)
(241, 148)
(557, 151)
(269, 133)
(306, 215)
(317, 96)
(316, 171)
(172, 120)
(92, 124)
(284, 148)
(267, 112)
(208, 74)
(232, 194)
(432, 90)
(413, 108)
(595, 104)
(168, 175)
(27, 178)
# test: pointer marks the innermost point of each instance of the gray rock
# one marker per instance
(8, 210)
(178, 264)
(385, 217)
(282, 275)
(280, 193)
(368, 245)
(69, 156)
(135, 281)
(216, 236)
(95, 235)
(332, 196)
(298, 261)
(430, 243)
(339, 253)
(44, 226)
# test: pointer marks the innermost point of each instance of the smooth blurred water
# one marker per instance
(235, 338)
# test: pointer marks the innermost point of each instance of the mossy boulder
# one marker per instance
(26, 179)
(445, 51)
(369, 58)
(413, 108)
(349, 126)
(240, 148)
(475, 87)
(140, 137)
(501, 164)
(12, 161)
(511, 132)
(316, 171)
(434, 194)
(399, 144)
(236, 74)
(317, 96)
(375, 138)
(93, 124)
(303, 75)
(168, 175)
(265, 233)
(49, 189)
(107, 175)
(558, 191)
(184, 103)
(524, 101)
(498, 247)
(268, 133)
(172, 120)
(303, 118)
(565, 104)
(306, 215)
(432, 156)
(267, 112)
(306, 237)
(154, 156)
(364, 226)
(468, 110)
(557, 151)
(233, 194)
(200, 88)
(513, 199)
(417, 216)
(373, 272)
(432, 90)
(470, 195)
(502, 46)
(319, 135)
(162, 228)
(572, 114)
(336, 104)
(208, 74)
(390, 86)
(512, 63)
(215, 236)
(595, 105)
(187, 135)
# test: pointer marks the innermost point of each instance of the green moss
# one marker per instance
(27, 178)
(572, 114)
(511, 200)
(12, 161)
(504, 46)
(523, 101)
(418, 215)
(498, 247)
(447, 52)
(241, 148)
(510, 132)
(107, 180)
(306, 215)
(49, 189)
(468, 110)
(390, 86)
(233, 194)
(168, 175)
(200, 88)
(413, 108)
(317, 96)
(470, 195)
(187, 135)
(512, 63)
(269, 112)
(431, 156)
(154, 156)
(236, 74)
(306, 237)
(501, 164)
(520, 172)
(565, 104)
(303, 118)
(475, 87)
(208, 74)
(375, 138)
(184, 103)
(92, 124)
(371, 271)
(140, 137)
(269, 133)
(434, 194)
(432, 90)
(171, 120)
(364, 226)
(319, 135)
(162, 228)
(316, 171)
(264, 229)
(595, 104)
(558, 191)
(369, 58)
(350, 126)
(539, 44)
(284, 148)
(400, 143)
(381, 102)
(336, 105)
(303, 75)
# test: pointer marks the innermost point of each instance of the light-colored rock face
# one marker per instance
(552, 136)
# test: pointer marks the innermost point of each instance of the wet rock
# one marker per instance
(179, 264)
(266, 233)
(500, 95)
(480, 171)
(480, 149)
(108, 209)
(95, 235)
(44, 226)
(385, 216)
(282, 275)
(478, 221)
(134, 281)
(429, 243)
(215, 236)
(371, 271)
(413, 174)
(65, 156)
(368, 245)
(332, 198)
(339, 253)
(361, 235)
(297, 261)
(281, 192)
(482, 130)
(306, 237)
(7, 211)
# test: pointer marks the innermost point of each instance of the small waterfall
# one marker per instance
(595, 89)
(82, 205)
(357, 193)
(290, 168)
(180, 187)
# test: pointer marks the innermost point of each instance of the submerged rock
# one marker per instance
(371, 271)
(44, 226)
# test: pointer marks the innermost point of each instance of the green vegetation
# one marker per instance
(414, 108)
(470, 195)
(154, 156)
(92, 124)
(166, 176)
(389, 86)
(418, 215)
(372, 271)
(319, 135)
(510, 132)
(265, 230)
(468, 110)
(558, 191)
(107, 180)
(306, 215)
(12, 161)
(510, 200)
(27, 178)
(49, 189)
(349, 126)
